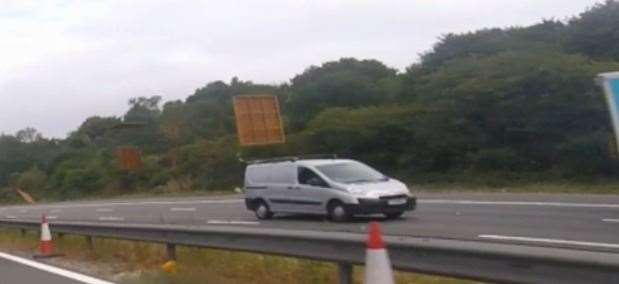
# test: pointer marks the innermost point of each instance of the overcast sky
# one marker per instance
(62, 61)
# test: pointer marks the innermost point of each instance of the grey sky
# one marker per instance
(62, 61)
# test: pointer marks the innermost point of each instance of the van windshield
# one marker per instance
(351, 172)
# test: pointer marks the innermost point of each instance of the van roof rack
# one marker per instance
(293, 158)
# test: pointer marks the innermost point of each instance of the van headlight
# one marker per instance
(368, 194)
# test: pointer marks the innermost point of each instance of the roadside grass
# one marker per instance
(128, 262)
(143, 194)
(504, 182)
(610, 187)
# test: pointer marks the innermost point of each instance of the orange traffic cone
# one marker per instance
(377, 265)
(46, 246)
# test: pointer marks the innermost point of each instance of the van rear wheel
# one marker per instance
(337, 212)
(262, 210)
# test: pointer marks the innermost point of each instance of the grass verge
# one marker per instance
(534, 187)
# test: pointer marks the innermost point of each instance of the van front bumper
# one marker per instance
(382, 205)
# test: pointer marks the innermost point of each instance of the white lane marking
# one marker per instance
(111, 204)
(54, 270)
(52, 217)
(610, 220)
(549, 241)
(10, 217)
(109, 218)
(182, 209)
(518, 203)
(224, 222)
(104, 210)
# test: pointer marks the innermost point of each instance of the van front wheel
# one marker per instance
(337, 212)
(262, 210)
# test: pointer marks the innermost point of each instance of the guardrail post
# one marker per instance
(171, 251)
(344, 272)
(90, 243)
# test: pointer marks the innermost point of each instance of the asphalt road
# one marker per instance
(15, 270)
(586, 222)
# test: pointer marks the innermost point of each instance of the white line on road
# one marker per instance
(610, 220)
(182, 209)
(52, 217)
(104, 210)
(549, 241)
(107, 218)
(10, 217)
(518, 203)
(224, 222)
(54, 270)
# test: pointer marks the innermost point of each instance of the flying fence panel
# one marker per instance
(258, 120)
(129, 158)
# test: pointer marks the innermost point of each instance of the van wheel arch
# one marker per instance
(332, 202)
(264, 213)
(331, 206)
(257, 201)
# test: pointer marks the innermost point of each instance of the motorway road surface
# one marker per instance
(14, 270)
(588, 222)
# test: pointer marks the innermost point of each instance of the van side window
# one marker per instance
(309, 177)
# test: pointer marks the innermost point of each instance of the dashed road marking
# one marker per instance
(104, 210)
(52, 217)
(549, 241)
(226, 222)
(110, 218)
(183, 209)
(610, 220)
(10, 217)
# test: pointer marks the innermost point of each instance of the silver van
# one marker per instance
(339, 188)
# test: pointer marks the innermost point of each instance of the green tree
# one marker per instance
(347, 82)
(97, 131)
(595, 32)
(32, 181)
(546, 35)
(540, 102)
(404, 139)
(140, 126)
(29, 135)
